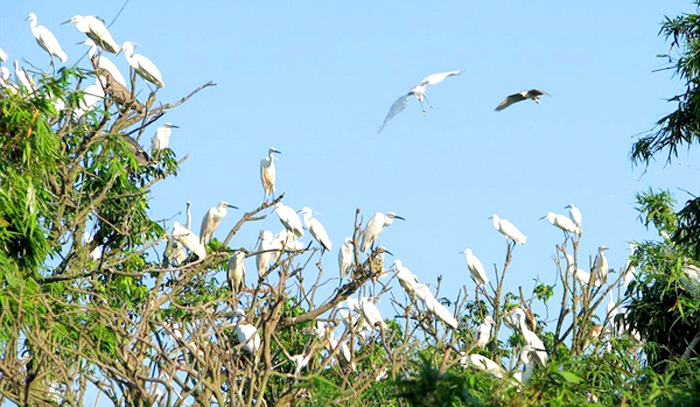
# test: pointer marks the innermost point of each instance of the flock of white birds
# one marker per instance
(358, 314)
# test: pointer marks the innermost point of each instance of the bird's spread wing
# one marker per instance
(509, 100)
(436, 78)
(537, 92)
(396, 108)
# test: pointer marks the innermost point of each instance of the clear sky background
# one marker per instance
(315, 79)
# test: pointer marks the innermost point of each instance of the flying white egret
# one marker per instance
(3, 56)
(531, 338)
(476, 269)
(142, 65)
(375, 226)
(484, 332)
(562, 222)
(532, 94)
(419, 92)
(289, 219)
(575, 215)
(600, 265)
(371, 314)
(188, 239)
(433, 305)
(408, 280)
(247, 334)
(92, 95)
(235, 272)
(46, 40)
(96, 31)
(100, 61)
(300, 361)
(212, 219)
(161, 139)
(316, 228)
(481, 362)
(508, 230)
(265, 255)
(24, 79)
(345, 255)
(581, 275)
(267, 171)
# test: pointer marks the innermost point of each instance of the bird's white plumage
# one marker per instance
(408, 280)
(476, 269)
(581, 275)
(267, 171)
(92, 95)
(96, 31)
(161, 139)
(508, 230)
(484, 332)
(600, 265)
(248, 335)
(375, 226)
(189, 240)
(23, 78)
(423, 293)
(481, 362)
(236, 271)
(575, 215)
(290, 220)
(101, 61)
(300, 361)
(628, 270)
(46, 39)
(142, 65)
(316, 228)
(3, 56)
(264, 258)
(345, 255)
(371, 314)
(212, 220)
(562, 222)
(530, 337)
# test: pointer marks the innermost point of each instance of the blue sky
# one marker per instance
(315, 80)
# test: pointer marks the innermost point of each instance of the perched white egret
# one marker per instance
(600, 265)
(289, 219)
(300, 361)
(408, 280)
(96, 31)
(92, 95)
(433, 305)
(691, 279)
(562, 222)
(212, 219)
(265, 256)
(581, 275)
(375, 226)
(526, 359)
(532, 94)
(5, 80)
(476, 269)
(96, 253)
(267, 171)
(419, 92)
(100, 61)
(531, 338)
(344, 355)
(345, 255)
(628, 270)
(236, 271)
(286, 240)
(350, 313)
(24, 79)
(484, 332)
(612, 311)
(371, 314)
(316, 228)
(247, 334)
(142, 65)
(188, 239)
(3, 56)
(174, 251)
(481, 362)
(575, 215)
(161, 139)
(46, 40)
(508, 230)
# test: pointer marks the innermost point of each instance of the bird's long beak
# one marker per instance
(276, 151)
(387, 251)
(66, 22)
(399, 217)
(174, 126)
(567, 207)
(232, 206)
(543, 217)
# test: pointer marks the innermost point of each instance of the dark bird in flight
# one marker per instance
(533, 94)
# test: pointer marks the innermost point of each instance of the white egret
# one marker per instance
(265, 255)
(481, 362)
(289, 219)
(286, 240)
(691, 279)
(96, 31)
(100, 61)
(375, 226)
(24, 79)
(562, 222)
(532, 94)
(476, 269)
(408, 280)
(575, 215)
(508, 230)
(371, 314)
(344, 357)
(600, 265)
(267, 171)
(96, 253)
(5, 80)
(531, 338)
(46, 40)
(350, 313)
(612, 311)
(419, 92)
(247, 334)
(345, 257)
(236, 271)
(175, 251)
(316, 228)
(3, 56)
(300, 361)
(92, 95)
(433, 305)
(142, 65)
(188, 239)
(628, 270)
(581, 275)
(212, 219)
(484, 332)
(526, 360)
(161, 139)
